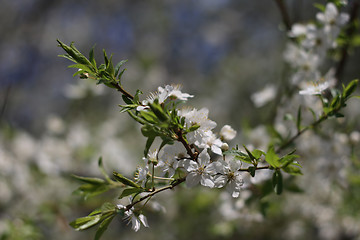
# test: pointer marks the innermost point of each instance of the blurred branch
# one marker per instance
(348, 34)
(284, 14)
(6, 98)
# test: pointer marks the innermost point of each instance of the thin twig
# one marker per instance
(284, 14)
(171, 186)
(186, 145)
(120, 89)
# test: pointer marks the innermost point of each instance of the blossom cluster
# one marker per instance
(190, 151)
(203, 163)
(308, 52)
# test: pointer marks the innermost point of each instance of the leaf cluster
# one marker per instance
(285, 163)
(339, 100)
(93, 186)
(103, 216)
(106, 73)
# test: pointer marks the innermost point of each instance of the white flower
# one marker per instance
(200, 118)
(169, 158)
(332, 20)
(172, 91)
(200, 171)
(263, 96)
(163, 93)
(227, 133)
(354, 137)
(209, 140)
(331, 16)
(229, 176)
(317, 87)
(141, 175)
(306, 63)
(151, 157)
(297, 30)
(135, 218)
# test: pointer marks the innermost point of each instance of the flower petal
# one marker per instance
(192, 179)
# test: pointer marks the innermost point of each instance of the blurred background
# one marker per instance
(53, 125)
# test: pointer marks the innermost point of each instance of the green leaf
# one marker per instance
(102, 170)
(336, 101)
(148, 144)
(292, 170)
(350, 88)
(272, 158)
(136, 96)
(136, 118)
(257, 153)
(110, 67)
(238, 155)
(85, 222)
(126, 99)
(129, 191)
(74, 54)
(124, 180)
(159, 111)
(118, 66)
(277, 182)
(106, 59)
(193, 128)
(252, 157)
(126, 108)
(288, 159)
(89, 179)
(319, 6)
(103, 226)
(107, 207)
(91, 190)
(148, 131)
(298, 119)
(252, 170)
(91, 57)
(82, 67)
(102, 215)
(120, 74)
(149, 117)
(313, 113)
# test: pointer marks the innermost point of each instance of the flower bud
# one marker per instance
(224, 147)
(227, 133)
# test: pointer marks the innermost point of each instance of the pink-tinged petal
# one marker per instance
(192, 179)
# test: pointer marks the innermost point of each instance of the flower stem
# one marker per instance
(154, 192)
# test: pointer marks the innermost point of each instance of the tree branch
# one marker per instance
(284, 14)
(349, 34)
